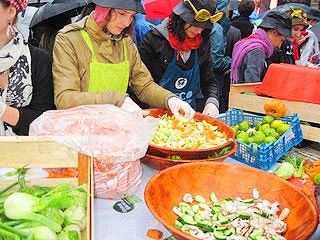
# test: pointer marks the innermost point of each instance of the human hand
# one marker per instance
(211, 110)
(130, 106)
(176, 104)
(3, 108)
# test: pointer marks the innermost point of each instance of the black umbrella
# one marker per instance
(55, 8)
(287, 6)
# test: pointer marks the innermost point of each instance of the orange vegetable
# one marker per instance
(154, 234)
(275, 108)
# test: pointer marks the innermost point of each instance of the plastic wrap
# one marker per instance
(114, 138)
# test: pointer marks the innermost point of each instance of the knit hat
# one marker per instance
(279, 21)
(185, 10)
(297, 16)
(133, 5)
(19, 5)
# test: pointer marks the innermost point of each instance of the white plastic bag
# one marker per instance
(310, 49)
(115, 139)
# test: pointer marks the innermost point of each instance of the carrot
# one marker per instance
(56, 175)
(154, 234)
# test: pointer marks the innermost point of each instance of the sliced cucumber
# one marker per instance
(195, 208)
(248, 201)
(178, 224)
(204, 206)
(219, 235)
(222, 219)
(215, 210)
(256, 233)
(261, 238)
(275, 238)
(198, 217)
(243, 215)
(206, 229)
(221, 228)
(213, 198)
(183, 204)
(187, 219)
(200, 199)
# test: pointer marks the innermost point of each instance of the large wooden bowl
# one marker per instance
(160, 163)
(166, 189)
(190, 153)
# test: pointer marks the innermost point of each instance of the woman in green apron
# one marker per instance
(96, 62)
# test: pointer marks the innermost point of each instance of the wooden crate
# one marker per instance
(307, 111)
(42, 152)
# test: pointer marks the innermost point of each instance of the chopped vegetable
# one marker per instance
(316, 179)
(285, 170)
(181, 133)
(297, 162)
(154, 234)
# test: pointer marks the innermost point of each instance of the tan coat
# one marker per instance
(71, 68)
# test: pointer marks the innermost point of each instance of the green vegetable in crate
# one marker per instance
(70, 232)
(235, 128)
(283, 128)
(242, 137)
(316, 179)
(264, 126)
(244, 126)
(268, 119)
(259, 137)
(285, 170)
(276, 123)
(270, 139)
(41, 233)
(19, 206)
(76, 215)
(258, 125)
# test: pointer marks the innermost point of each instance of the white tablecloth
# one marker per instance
(112, 225)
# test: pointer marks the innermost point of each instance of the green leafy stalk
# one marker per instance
(12, 230)
(9, 187)
(8, 234)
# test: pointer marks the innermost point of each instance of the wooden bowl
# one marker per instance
(190, 153)
(166, 189)
(160, 163)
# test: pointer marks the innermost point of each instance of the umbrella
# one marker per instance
(55, 8)
(316, 30)
(287, 6)
(159, 8)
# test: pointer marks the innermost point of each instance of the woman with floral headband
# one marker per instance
(26, 88)
(96, 62)
(177, 53)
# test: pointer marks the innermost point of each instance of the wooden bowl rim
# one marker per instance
(158, 158)
(193, 150)
(172, 229)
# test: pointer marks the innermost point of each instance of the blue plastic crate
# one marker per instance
(263, 156)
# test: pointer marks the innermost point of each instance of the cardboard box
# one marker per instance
(31, 152)
(307, 111)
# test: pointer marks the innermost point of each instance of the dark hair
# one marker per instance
(246, 7)
(176, 26)
(128, 31)
(4, 3)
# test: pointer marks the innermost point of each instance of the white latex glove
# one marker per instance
(130, 106)
(176, 104)
(3, 108)
(211, 110)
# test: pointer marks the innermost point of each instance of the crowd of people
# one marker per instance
(112, 55)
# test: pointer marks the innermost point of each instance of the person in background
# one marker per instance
(26, 88)
(108, 63)
(177, 53)
(313, 16)
(285, 53)
(249, 54)
(242, 22)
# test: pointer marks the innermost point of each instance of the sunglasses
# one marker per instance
(204, 15)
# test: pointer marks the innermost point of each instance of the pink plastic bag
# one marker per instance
(115, 139)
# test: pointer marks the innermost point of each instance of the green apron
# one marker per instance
(107, 76)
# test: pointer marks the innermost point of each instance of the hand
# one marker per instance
(130, 106)
(211, 110)
(176, 104)
(3, 108)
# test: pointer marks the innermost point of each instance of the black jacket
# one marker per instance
(42, 99)
(156, 53)
(244, 25)
(284, 54)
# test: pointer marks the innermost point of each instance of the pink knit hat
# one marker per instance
(18, 4)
